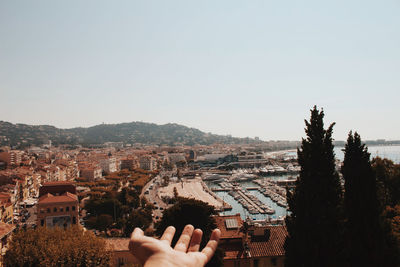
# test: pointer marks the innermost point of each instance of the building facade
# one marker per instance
(148, 163)
(57, 205)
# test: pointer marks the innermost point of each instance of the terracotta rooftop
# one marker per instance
(262, 241)
(58, 183)
(5, 229)
(49, 198)
(270, 246)
(57, 188)
(226, 231)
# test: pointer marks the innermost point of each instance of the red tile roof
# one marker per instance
(271, 246)
(58, 183)
(229, 233)
(49, 198)
(57, 188)
(268, 243)
(5, 229)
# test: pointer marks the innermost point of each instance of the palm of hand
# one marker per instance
(152, 252)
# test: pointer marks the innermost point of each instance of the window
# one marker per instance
(74, 220)
(61, 209)
(120, 261)
(73, 208)
(48, 210)
(55, 209)
(41, 210)
(67, 209)
(41, 222)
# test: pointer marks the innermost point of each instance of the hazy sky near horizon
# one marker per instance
(245, 68)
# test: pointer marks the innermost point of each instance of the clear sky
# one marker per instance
(246, 68)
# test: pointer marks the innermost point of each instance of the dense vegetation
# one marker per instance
(388, 182)
(314, 223)
(114, 206)
(57, 247)
(21, 135)
(328, 228)
(364, 234)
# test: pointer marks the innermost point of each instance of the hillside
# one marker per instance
(23, 135)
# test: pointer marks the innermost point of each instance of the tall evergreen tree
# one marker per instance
(314, 223)
(363, 232)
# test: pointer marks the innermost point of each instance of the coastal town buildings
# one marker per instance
(69, 167)
(108, 164)
(6, 208)
(91, 172)
(57, 205)
(46, 176)
(251, 245)
(129, 163)
(6, 231)
(147, 163)
(11, 157)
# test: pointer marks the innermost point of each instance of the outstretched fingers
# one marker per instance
(184, 239)
(211, 246)
(168, 235)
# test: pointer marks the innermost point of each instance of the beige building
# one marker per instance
(147, 163)
(6, 208)
(109, 165)
(91, 173)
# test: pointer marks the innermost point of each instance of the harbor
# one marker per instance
(255, 197)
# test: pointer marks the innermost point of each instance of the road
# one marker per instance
(153, 198)
(31, 220)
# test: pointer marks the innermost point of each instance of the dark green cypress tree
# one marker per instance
(314, 223)
(363, 228)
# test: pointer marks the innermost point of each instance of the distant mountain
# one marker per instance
(23, 135)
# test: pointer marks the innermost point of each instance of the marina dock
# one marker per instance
(250, 202)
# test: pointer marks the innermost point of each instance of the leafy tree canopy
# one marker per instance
(56, 247)
(388, 176)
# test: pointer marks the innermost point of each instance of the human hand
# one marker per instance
(152, 252)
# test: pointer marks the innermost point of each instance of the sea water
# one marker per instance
(390, 152)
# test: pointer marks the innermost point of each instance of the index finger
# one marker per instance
(211, 246)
